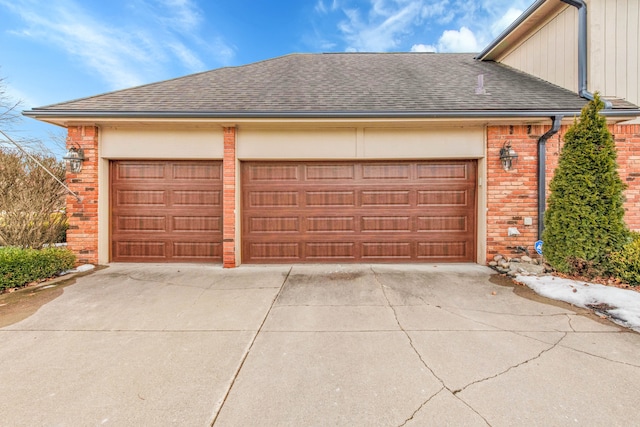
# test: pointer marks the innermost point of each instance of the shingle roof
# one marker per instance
(339, 83)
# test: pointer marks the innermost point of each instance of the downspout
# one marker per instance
(582, 51)
(542, 171)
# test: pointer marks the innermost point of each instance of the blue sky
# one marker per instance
(57, 50)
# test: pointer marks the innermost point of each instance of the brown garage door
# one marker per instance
(166, 211)
(359, 212)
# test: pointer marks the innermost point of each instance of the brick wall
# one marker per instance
(82, 235)
(627, 139)
(512, 195)
(229, 198)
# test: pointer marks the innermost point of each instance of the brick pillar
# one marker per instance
(82, 235)
(229, 199)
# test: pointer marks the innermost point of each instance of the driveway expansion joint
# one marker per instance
(246, 354)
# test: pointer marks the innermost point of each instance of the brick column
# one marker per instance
(82, 235)
(229, 199)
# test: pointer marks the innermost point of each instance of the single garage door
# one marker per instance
(359, 211)
(166, 211)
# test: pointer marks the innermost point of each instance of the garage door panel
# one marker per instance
(330, 172)
(272, 199)
(273, 251)
(166, 211)
(196, 171)
(449, 224)
(386, 198)
(197, 224)
(134, 223)
(140, 170)
(274, 172)
(445, 198)
(401, 211)
(140, 249)
(386, 172)
(330, 251)
(194, 250)
(443, 250)
(330, 198)
(385, 224)
(441, 171)
(140, 198)
(274, 225)
(386, 250)
(326, 224)
(196, 198)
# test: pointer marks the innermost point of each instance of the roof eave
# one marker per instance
(51, 114)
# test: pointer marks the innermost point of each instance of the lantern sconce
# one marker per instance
(74, 158)
(508, 156)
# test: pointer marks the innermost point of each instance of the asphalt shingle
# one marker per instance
(340, 83)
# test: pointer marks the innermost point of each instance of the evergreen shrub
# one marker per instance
(584, 222)
(21, 266)
(625, 264)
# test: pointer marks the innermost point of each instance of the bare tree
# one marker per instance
(31, 200)
(9, 109)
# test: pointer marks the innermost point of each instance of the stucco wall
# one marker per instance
(361, 143)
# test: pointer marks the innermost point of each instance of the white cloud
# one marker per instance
(383, 27)
(322, 8)
(127, 55)
(458, 41)
(182, 15)
(423, 48)
(511, 15)
(187, 56)
(452, 25)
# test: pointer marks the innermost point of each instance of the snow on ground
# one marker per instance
(621, 305)
(80, 269)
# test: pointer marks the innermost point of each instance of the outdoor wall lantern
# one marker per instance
(508, 156)
(74, 158)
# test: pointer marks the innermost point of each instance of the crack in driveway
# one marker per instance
(444, 386)
(455, 392)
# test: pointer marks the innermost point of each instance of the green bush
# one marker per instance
(625, 264)
(21, 266)
(584, 223)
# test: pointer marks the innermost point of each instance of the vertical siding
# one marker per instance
(551, 52)
(614, 48)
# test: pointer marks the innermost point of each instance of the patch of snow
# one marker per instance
(79, 269)
(84, 267)
(623, 306)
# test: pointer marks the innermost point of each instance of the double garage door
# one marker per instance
(297, 211)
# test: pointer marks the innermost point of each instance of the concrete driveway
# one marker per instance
(375, 345)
